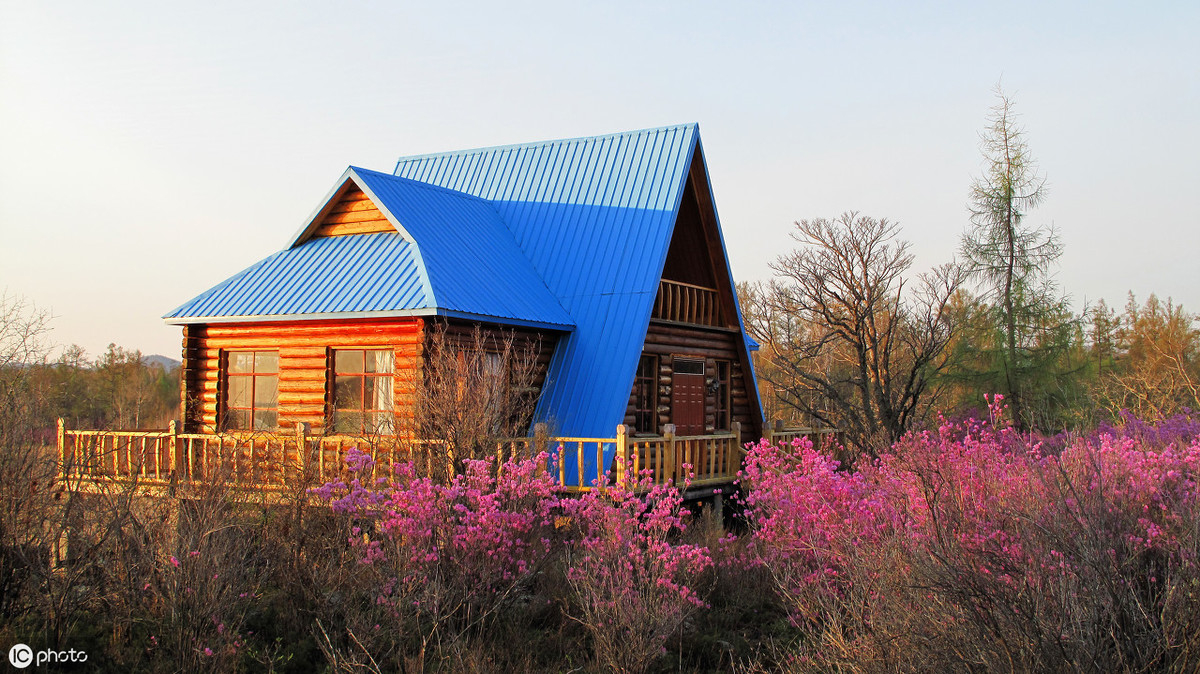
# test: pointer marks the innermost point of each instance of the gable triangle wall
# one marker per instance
(353, 213)
(708, 339)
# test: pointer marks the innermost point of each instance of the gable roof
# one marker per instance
(566, 233)
(595, 216)
(444, 259)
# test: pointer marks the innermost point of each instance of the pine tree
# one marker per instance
(1011, 262)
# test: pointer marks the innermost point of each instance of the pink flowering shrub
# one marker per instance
(447, 556)
(446, 559)
(633, 582)
(971, 547)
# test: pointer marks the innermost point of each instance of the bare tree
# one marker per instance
(474, 390)
(847, 341)
(26, 469)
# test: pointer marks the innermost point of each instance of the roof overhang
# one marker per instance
(367, 315)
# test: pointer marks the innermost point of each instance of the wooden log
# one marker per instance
(271, 341)
(353, 216)
(400, 327)
(350, 228)
(363, 203)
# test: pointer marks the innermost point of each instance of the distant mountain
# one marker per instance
(167, 364)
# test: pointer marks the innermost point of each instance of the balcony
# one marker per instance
(686, 303)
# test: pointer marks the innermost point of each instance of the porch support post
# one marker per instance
(622, 453)
(62, 447)
(539, 446)
(540, 438)
(173, 451)
(669, 441)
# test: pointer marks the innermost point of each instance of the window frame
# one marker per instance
(723, 405)
(645, 393)
(363, 411)
(252, 412)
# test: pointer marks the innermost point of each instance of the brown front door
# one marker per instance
(687, 397)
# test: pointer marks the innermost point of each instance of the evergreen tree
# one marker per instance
(1011, 262)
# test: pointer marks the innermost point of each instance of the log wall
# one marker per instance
(304, 390)
(667, 340)
(538, 344)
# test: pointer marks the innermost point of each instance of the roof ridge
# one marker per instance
(430, 186)
(542, 143)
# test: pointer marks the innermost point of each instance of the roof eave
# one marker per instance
(275, 318)
(356, 315)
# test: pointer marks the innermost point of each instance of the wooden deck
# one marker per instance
(282, 463)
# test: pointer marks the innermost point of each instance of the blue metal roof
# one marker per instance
(595, 217)
(474, 266)
(341, 275)
(447, 258)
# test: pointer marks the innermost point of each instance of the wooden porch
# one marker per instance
(281, 463)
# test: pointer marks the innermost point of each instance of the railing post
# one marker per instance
(172, 449)
(540, 440)
(62, 447)
(601, 474)
(669, 441)
(302, 457)
(622, 453)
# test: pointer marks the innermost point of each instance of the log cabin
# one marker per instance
(606, 252)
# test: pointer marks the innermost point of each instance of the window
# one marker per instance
(722, 387)
(645, 392)
(363, 391)
(689, 366)
(252, 390)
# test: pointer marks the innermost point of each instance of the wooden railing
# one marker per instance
(686, 303)
(636, 461)
(285, 461)
(691, 460)
(828, 440)
(264, 461)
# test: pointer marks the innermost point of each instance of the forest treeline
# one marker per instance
(117, 390)
(40, 384)
(1106, 364)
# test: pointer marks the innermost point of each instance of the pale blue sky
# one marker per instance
(149, 150)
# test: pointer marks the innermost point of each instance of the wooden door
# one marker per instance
(687, 397)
